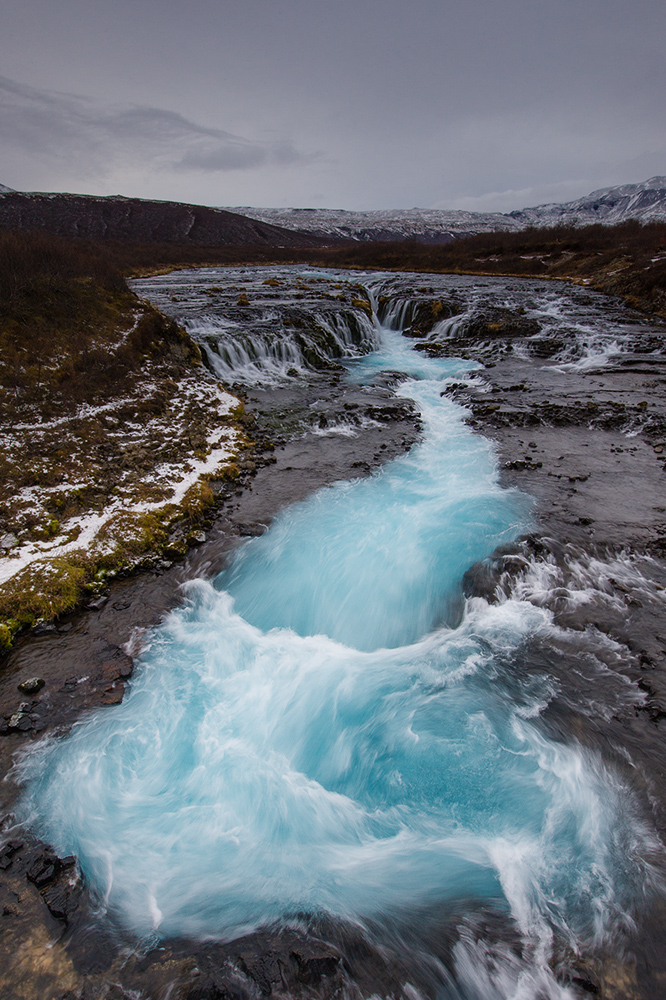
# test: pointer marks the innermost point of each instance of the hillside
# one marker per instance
(110, 428)
(140, 221)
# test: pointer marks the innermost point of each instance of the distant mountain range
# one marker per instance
(645, 201)
(143, 221)
(140, 221)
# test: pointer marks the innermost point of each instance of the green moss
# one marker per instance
(5, 638)
(126, 536)
(44, 590)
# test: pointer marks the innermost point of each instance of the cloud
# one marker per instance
(507, 201)
(98, 140)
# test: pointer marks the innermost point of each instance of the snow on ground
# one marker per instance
(645, 201)
(196, 432)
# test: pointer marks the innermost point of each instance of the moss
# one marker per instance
(5, 638)
(44, 590)
(126, 536)
(229, 472)
(362, 304)
(197, 498)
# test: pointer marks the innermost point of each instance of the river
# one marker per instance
(332, 728)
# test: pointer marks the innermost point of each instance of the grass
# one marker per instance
(104, 407)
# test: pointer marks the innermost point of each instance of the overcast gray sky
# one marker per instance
(480, 104)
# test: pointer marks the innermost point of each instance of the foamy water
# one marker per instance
(328, 728)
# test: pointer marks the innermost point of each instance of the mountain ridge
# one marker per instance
(644, 201)
(140, 220)
(117, 217)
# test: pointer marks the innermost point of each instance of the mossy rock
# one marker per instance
(45, 589)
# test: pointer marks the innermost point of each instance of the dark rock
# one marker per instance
(8, 851)
(32, 685)
(251, 530)
(117, 669)
(20, 722)
(62, 898)
(496, 323)
(313, 968)
(43, 868)
(45, 628)
(97, 603)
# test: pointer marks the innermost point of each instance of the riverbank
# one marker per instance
(111, 431)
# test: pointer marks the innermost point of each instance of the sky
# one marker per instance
(487, 105)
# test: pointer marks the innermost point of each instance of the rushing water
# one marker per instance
(329, 728)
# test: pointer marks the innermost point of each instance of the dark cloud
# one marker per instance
(413, 102)
(95, 138)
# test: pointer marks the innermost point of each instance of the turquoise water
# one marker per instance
(328, 727)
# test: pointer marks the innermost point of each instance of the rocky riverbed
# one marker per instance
(570, 386)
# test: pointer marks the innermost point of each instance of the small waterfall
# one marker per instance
(263, 352)
(395, 313)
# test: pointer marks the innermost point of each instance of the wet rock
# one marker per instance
(20, 722)
(312, 968)
(251, 530)
(117, 669)
(97, 603)
(497, 323)
(7, 853)
(425, 315)
(63, 897)
(44, 628)
(57, 880)
(545, 347)
(42, 868)
(31, 685)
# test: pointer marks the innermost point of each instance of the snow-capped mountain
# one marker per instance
(428, 225)
(5, 190)
(645, 201)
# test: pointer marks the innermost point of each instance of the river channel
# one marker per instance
(335, 728)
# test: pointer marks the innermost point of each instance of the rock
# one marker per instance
(32, 685)
(43, 869)
(8, 542)
(97, 603)
(8, 851)
(44, 628)
(313, 968)
(117, 670)
(62, 898)
(20, 721)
